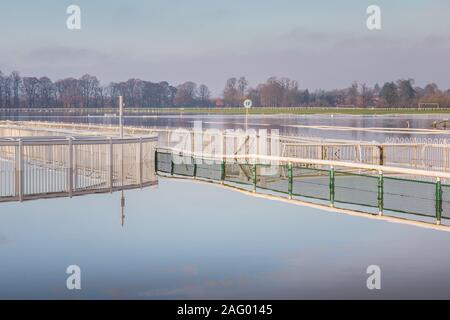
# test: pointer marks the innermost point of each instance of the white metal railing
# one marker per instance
(37, 167)
(424, 155)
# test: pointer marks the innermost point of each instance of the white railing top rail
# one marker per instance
(58, 140)
(368, 144)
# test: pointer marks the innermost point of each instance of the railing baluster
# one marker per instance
(332, 180)
(380, 193)
(111, 165)
(438, 201)
(290, 180)
(70, 168)
(19, 170)
(254, 177)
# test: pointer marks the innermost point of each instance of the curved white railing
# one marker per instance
(39, 167)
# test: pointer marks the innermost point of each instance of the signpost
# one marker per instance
(247, 105)
(121, 116)
(122, 198)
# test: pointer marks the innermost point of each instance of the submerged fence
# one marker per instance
(424, 156)
(406, 193)
(39, 167)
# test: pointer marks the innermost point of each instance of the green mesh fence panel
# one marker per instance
(400, 195)
(239, 173)
(211, 171)
(164, 162)
(271, 177)
(446, 201)
(409, 196)
(311, 183)
(356, 189)
(183, 166)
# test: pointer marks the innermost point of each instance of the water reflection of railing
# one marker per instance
(415, 195)
(40, 167)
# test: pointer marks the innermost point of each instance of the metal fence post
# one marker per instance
(222, 171)
(70, 168)
(380, 193)
(290, 180)
(195, 167)
(75, 167)
(254, 177)
(332, 180)
(139, 168)
(111, 165)
(19, 170)
(438, 201)
(156, 160)
(381, 156)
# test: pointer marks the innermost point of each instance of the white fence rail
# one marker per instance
(423, 155)
(39, 167)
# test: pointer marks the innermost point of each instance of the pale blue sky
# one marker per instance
(322, 44)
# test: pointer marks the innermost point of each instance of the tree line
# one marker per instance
(285, 92)
(87, 92)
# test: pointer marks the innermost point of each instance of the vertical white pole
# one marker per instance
(121, 116)
(19, 170)
(70, 167)
(139, 162)
(111, 164)
(121, 137)
(246, 120)
(122, 196)
(74, 167)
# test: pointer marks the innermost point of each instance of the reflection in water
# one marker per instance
(286, 124)
(122, 208)
(201, 241)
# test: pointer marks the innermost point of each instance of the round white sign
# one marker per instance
(248, 103)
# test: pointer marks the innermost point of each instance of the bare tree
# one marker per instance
(46, 92)
(352, 95)
(186, 94)
(366, 96)
(231, 94)
(204, 95)
(16, 83)
(2, 88)
(7, 84)
(30, 87)
(271, 93)
(242, 86)
(69, 92)
(88, 86)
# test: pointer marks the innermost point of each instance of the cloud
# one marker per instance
(59, 53)
(317, 59)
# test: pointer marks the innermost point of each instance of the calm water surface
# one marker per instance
(189, 240)
(296, 125)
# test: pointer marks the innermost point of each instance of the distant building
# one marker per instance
(220, 103)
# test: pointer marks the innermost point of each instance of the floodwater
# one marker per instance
(189, 240)
(349, 127)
